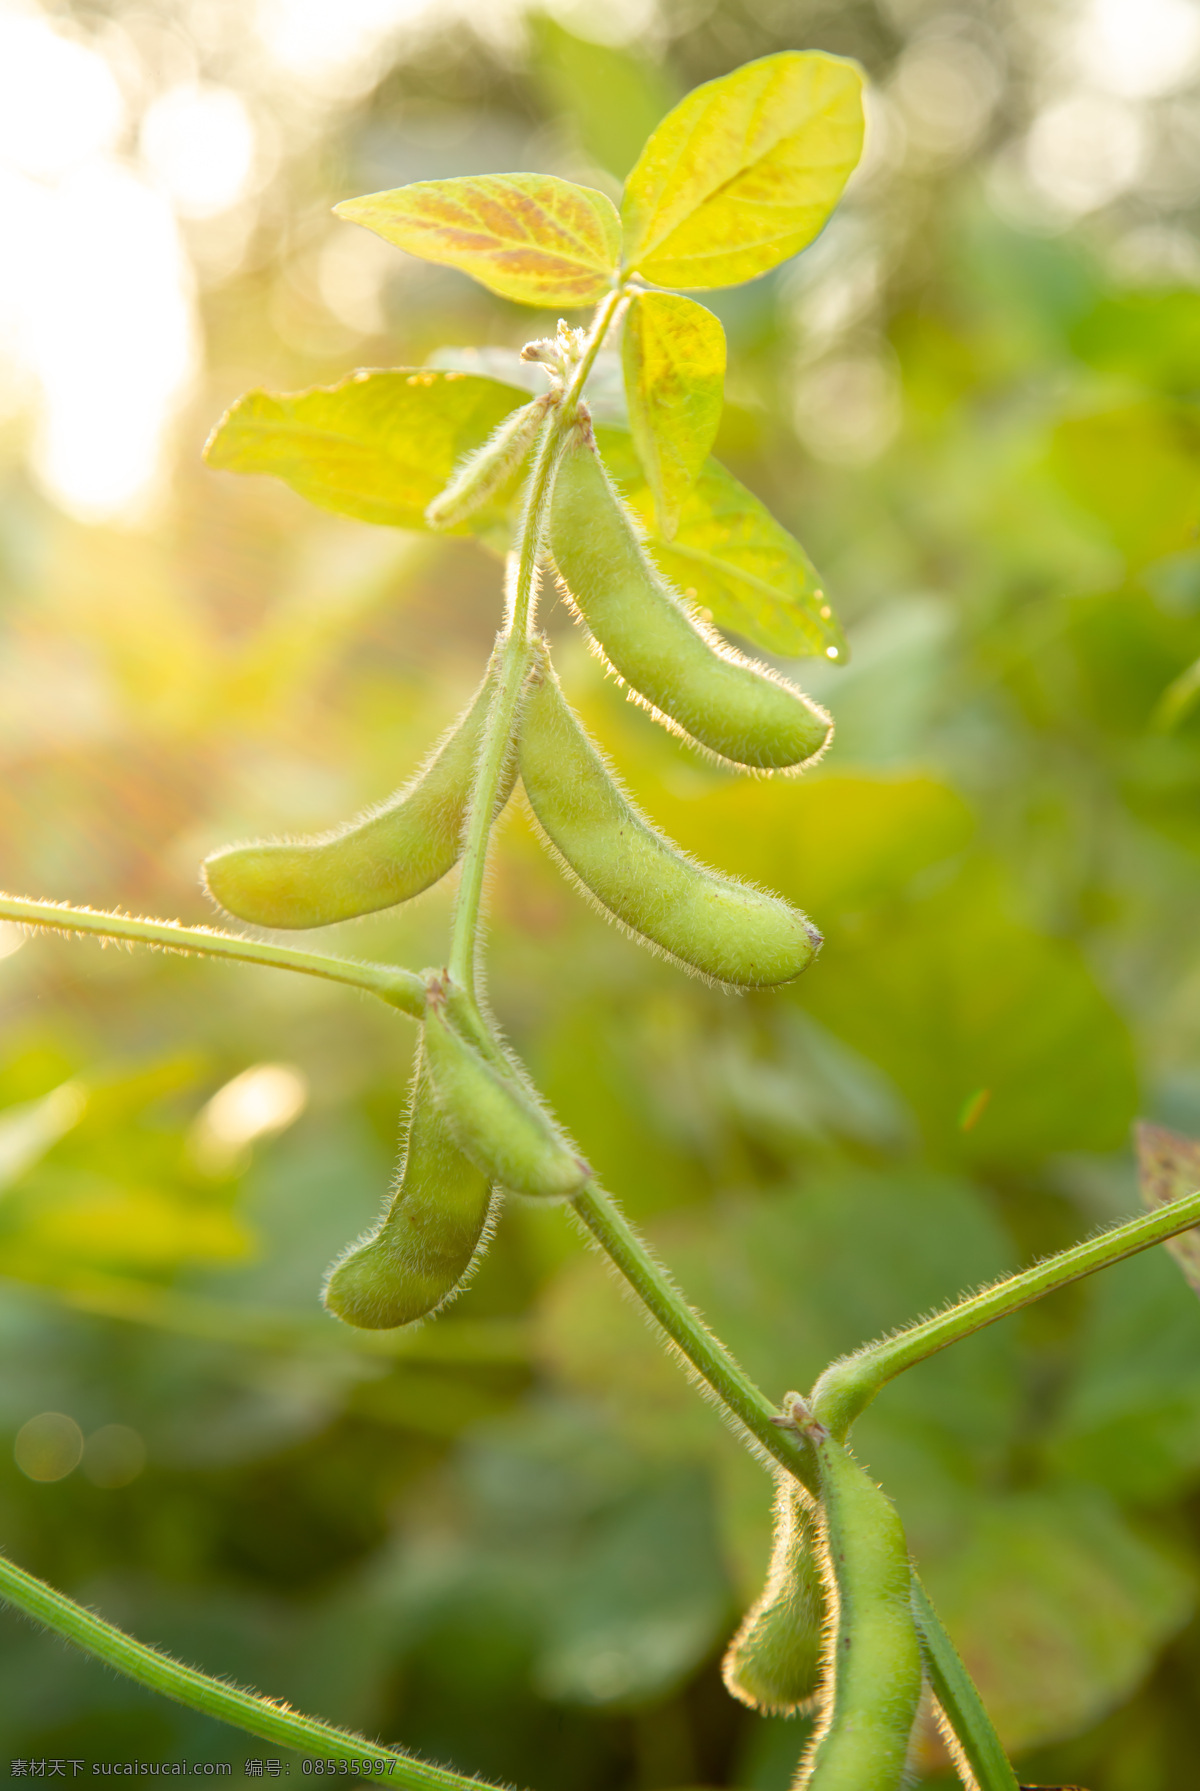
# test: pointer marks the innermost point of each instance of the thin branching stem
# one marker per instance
(263, 1717)
(399, 988)
(849, 1385)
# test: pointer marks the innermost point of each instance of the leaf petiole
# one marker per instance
(245, 1710)
(848, 1386)
(399, 988)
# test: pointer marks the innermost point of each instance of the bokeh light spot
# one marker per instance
(263, 1101)
(114, 1456)
(48, 1447)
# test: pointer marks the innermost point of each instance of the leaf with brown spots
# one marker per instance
(1169, 1168)
(529, 237)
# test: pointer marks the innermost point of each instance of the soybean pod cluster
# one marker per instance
(475, 1128)
(833, 1632)
(842, 1551)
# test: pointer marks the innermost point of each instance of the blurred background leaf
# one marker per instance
(519, 1541)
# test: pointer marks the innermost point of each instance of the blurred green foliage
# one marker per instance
(519, 1541)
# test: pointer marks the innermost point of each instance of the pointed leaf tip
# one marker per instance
(744, 172)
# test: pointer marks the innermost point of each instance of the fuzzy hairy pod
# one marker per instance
(494, 1121)
(387, 856)
(872, 1661)
(483, 473)
(736, 708)
(772, 1662)
(723, 928)
(433, 1233)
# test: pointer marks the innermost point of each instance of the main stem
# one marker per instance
(514, 657)
(713, 1363)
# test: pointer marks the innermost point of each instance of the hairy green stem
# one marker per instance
(961, 1706)
(849, 1385)
(514, 658)
(263, 1717)
(399, 988)
(713, 1363)
(495, 747)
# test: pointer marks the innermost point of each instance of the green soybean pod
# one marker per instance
(737, 709)
(483, 473)
(872, 1663)
(722, 928)
(494, 1120)
(772, 1662)
(431, 1237)
(386, 856)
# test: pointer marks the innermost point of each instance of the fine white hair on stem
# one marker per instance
(482, 472)
(953, 1746)
(831, 1607)
(674, 1349)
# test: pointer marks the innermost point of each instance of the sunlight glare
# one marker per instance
(48, 1447)
(59, 102)
(332, 46)
(1139, 48)
(96, 310)
(111, 336)
(200, 144)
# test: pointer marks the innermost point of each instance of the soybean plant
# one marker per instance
(741, 175)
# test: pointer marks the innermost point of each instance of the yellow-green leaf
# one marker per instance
(730, 557)
(529, 237)
(674, 356)
(377, 446)
(744, 171)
